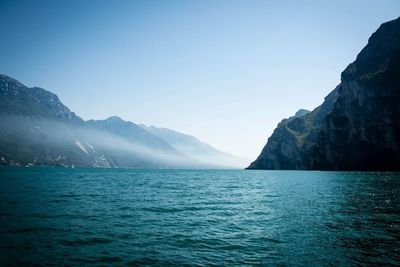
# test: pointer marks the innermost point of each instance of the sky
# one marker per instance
(224, 71)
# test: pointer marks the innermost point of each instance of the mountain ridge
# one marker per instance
(193, 147)
(37, 129)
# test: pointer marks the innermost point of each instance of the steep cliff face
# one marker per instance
(363, 130)
(358, 125)
(293, 141)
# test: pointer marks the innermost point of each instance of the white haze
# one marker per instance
(59, 142)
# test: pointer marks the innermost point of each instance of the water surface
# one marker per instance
(75, 217)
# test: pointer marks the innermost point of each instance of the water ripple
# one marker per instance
(82, 217)
(85, 242)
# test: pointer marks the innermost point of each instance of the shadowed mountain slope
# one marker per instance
(358, 125)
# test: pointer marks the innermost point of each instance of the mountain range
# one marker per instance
(357, 127)
(37, 129)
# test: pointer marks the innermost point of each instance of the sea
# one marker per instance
(179, 217)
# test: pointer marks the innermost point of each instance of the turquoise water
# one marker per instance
(78, 217)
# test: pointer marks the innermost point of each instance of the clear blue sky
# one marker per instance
(224, 71)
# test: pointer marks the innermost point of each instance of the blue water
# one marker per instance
(79, 217)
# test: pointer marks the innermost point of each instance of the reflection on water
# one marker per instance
(198, 217)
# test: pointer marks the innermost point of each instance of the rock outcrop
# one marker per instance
(358, 125)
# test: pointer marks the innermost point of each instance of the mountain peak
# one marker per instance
(20, 99)
(301, 113)
(376, 55)
(114, 119)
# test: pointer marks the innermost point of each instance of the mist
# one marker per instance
(32, 141)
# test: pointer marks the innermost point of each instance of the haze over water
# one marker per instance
(75, 217)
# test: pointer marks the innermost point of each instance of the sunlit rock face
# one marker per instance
(358, 125)
(293, 141)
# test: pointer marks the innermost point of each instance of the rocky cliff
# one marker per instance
(358, 125)
(293, 141)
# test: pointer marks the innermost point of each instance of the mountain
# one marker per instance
(293, 141)
(17, 99)
(37, 129)
(194, 148)
(131, 132)
(301, 112)
(358, 125)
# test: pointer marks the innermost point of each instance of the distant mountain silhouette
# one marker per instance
(37, 129)
(194, 148)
